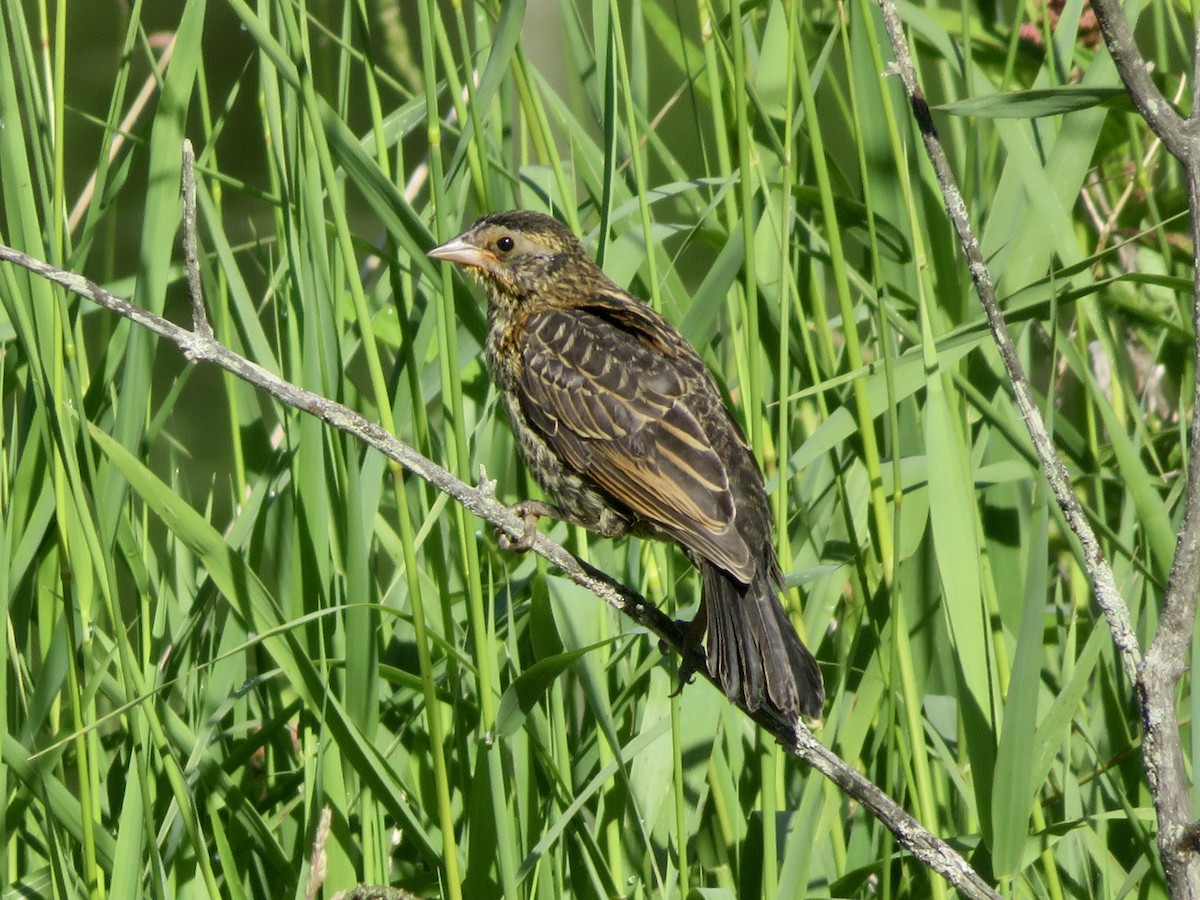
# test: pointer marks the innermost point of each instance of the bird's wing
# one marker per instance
(621, 414)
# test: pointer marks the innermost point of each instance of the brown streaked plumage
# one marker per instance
(622, 424)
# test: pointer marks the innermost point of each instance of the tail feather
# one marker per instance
(753, 650)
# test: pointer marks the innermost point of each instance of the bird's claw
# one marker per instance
(688, 666)
(680, 685)
(687, 674)
(525, 542)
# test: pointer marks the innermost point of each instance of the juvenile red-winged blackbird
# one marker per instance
(624, 428)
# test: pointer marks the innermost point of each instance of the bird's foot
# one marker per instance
(691, 663)
(687, 674)
(528, 511)
(693, 657)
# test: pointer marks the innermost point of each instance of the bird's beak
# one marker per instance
(460, 251)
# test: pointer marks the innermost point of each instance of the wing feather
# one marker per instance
(620, 413)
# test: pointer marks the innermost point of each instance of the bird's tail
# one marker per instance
(753, 649)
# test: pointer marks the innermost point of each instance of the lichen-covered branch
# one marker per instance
(1155, 676)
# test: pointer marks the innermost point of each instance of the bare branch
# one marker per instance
(1177, 134)
(1104, 585)
(191, 244)
(1168, 657)
(1155, 677)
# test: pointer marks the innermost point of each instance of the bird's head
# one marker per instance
(517, 253)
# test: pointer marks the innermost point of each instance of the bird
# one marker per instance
(622, 424)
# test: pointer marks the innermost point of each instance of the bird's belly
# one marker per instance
(565, 488)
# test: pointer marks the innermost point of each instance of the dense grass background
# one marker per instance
(223, 617)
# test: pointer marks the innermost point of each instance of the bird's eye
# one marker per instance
(505, 244)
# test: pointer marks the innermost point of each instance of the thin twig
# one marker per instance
(1108, 598)
(1154, 677)
(1168, 657)
(1177, 134)
(1106, 224)
(191, 244)
(1163, 756)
